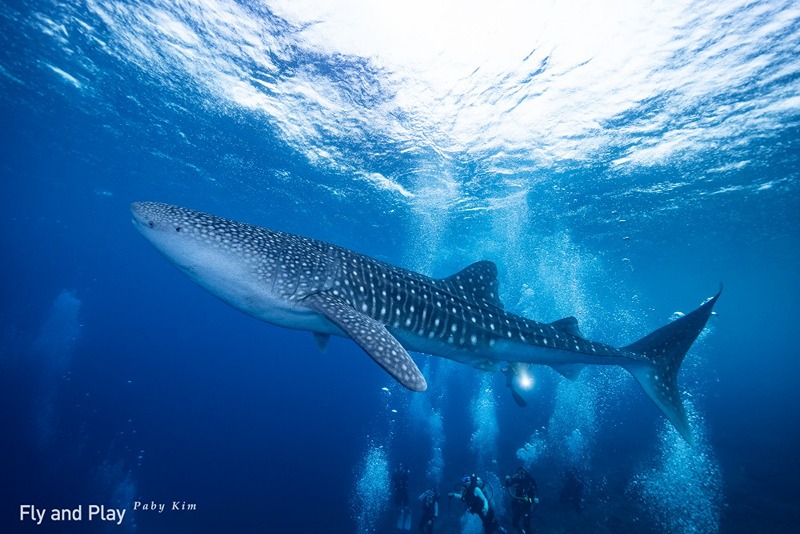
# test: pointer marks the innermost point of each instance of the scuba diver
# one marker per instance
(400, 493)
(511, 372)
(522, 488)
(430, 510)
(473, 496)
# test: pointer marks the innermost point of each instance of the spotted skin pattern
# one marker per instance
(299, 282)
(371, 336)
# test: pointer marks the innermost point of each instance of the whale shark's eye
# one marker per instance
(177, 228)
(151, 224)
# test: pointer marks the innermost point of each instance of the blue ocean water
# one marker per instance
(618, 163)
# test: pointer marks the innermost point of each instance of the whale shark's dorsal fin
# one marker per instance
(371, 336)
(476, 283)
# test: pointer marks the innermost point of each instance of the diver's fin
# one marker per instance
(659, 355)
(518, 398)
(568, 325)
(321, 341)
(400, 521)
(371, 336)
(407, 521)
(569, 371)
(510, 371)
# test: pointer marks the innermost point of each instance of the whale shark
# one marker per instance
(303, 283)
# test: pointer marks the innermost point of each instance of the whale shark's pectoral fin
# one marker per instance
(370, 335)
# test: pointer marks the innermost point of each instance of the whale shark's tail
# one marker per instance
(657, 358)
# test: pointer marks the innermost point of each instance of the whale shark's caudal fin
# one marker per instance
(658, 358)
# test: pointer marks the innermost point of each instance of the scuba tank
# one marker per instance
(468, 483)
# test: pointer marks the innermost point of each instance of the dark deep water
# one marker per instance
(615, 180)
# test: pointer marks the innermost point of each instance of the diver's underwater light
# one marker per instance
(525, 379)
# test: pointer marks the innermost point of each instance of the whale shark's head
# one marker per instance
(210, 249)
(178, 233)
(155, 218)
(254, 269)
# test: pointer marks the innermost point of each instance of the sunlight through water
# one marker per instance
(461, 83)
